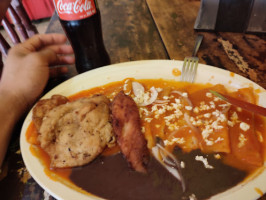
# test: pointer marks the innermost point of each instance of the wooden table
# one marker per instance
(144, 30)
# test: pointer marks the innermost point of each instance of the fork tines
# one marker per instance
(189, 69)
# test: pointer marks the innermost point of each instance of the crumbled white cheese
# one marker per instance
(154, 108)
(148, 119)
(234, 117)
(204, 161)
(182, 164)
(206, 132)
(212, 104)
(178, 113)
(224, 105)
(159, 89)
(207, 115)
(174, 141)
(209, 142)
(219, 139)
(177, 101)
(208, 94)
(192, 197)
(230, 123)
(242, 140)
(184, 94)
(204, 106)
(188, 107)
(169, 117)
(222, 118)
(244, 126)
(217, 156)
(172, 127)
(239, 109)
(160, 111)
(196, 110)
(216, 126)
(144, 110)
(259, 135)
(199, 122)
(216, 113)
(216, 99)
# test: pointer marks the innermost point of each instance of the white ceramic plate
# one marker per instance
(141, 69)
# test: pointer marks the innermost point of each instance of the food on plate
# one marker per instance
(74, 133)
(211, 139)
(127, 127)
(45, 105)
(244, 132)
(209, 116)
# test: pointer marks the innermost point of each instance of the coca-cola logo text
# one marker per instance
(76, 7)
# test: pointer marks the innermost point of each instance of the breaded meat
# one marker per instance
(127, 127)
(45, 105)
(73, 134)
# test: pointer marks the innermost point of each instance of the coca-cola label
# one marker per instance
(75, 9)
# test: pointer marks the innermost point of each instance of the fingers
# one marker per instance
(47, 56)
(64, 54)
(61, 60)
(61, 49)
(39, 41)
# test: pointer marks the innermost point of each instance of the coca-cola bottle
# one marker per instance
(81, 21)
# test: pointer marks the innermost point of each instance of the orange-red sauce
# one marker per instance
(232, 74)
(110, 90)
(36, 150)
(176, 72)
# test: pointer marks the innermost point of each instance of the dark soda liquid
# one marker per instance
(86, 39)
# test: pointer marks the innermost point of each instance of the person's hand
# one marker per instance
(26, 70)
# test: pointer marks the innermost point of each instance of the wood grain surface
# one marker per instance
(129, 32)
(244, 54)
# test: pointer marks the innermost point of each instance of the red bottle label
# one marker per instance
(75, 9)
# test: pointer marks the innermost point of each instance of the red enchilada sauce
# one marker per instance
(109, 175)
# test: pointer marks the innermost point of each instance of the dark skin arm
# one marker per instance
(25, 74)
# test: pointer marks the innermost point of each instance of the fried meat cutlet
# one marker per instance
(73, 134)
(45, 105)
(127, 127)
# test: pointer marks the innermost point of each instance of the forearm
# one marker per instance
(10, 112)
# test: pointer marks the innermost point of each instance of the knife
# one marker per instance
(242, 104)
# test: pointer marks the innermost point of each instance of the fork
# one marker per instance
(168, 161)
(190, 64)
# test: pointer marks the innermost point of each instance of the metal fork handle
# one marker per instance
(197, 45)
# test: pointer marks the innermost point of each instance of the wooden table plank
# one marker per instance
(244, 54)
(129, 31)
(175, 20)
